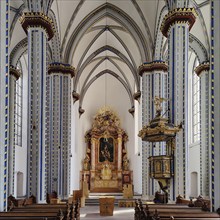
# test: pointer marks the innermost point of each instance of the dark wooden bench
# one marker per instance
(177, 215)
(43, 211)
(170, 211)
(28, 215)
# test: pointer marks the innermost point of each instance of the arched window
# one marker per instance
(20, 99)
(196, 112)
(18, 109)
(194, 109)
(20, 127)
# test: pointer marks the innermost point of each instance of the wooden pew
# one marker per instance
(181, 200)
(27, 215)
(12, 202)
(198, 202)
(165, 211)
(43, 211)
(181, 215)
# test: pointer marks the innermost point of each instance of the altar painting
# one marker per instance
(106, 149)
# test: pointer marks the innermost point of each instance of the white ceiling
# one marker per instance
(113, 35)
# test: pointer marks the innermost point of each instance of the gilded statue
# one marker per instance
(125, 162)
(86, 163)
(106, 173)
(157, 103)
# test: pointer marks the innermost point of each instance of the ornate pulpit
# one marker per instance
(106, 164)
(161, 166)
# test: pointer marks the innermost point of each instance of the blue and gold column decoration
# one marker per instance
(202, 71)
(176, 26)
(39, 28)
(4, 102)
(153, 75)
(60, 120)
(14, 76)
(212, 107)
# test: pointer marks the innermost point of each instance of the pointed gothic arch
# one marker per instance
(100, 50)
(122, 18)
(106, 71)
(101, 60)
(18, 51)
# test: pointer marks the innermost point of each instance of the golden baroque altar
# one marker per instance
(106, 164)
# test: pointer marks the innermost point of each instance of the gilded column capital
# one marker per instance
(205, 66)
(151, 66)
(119, 140)
(178, 15)
(15, 72)
(93, 140)
(61, 68)
(37, 19)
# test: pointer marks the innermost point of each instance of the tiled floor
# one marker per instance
(92, 213)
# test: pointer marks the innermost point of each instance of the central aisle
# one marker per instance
(92, 213)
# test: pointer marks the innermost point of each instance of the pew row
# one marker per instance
(166, 211)
(43, 211)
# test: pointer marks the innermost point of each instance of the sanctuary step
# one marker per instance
(93, 199)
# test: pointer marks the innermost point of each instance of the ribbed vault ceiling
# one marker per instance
(101, 37)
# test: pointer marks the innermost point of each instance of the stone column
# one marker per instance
(215, 106)
(60, 125)
(14, 75)
(154, 83)
(4, 101)
(39, 29)
(175, 26)
(203, 72)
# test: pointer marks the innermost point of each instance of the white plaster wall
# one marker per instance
(105, 90)
(21, 166)
(194, 164)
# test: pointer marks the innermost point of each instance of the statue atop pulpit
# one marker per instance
(106, 173)
(157, 102)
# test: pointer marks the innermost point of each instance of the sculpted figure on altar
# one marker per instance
(125, 162)
(86, 163)
(106, 173)
(106, 150)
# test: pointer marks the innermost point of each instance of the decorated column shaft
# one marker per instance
(203, 72)
(39, 29)
(60, 124)
(215, 106)
(14, 75)
(4, 101)
(175, 27)
(154, 83)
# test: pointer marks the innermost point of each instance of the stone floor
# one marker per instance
(92, 213)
